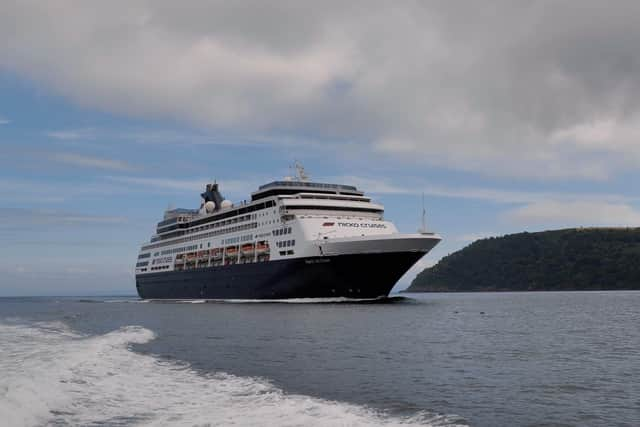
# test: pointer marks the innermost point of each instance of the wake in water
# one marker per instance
(336, 300)
(52, 375)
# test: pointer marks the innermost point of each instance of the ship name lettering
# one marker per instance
(361, 225)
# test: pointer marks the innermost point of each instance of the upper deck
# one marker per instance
(291, 196)
(277, 188)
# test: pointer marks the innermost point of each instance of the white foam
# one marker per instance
(128, 301)
(51, 375)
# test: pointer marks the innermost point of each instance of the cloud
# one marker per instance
(91, 161)
(607, 133)
(12, 218)
(574, 213)
(182, 137)
(22, 191)
(495, 195)
(4, 121)
(168, 184)
(509, 89)
(71, 134)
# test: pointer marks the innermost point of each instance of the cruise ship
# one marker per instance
(295, 239)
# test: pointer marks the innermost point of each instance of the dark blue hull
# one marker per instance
(349, 276)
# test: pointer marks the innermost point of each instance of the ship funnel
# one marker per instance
(212, 194)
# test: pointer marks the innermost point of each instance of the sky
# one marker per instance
(508, 116)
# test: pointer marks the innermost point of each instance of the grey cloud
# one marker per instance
(478, 86)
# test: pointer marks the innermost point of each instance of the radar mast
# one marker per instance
(301, 175)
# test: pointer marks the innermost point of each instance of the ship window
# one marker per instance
(289, 252)
(293, 243)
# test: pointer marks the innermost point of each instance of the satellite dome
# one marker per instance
(226, 204)
(210, 206)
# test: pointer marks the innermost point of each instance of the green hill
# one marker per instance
(572, 259)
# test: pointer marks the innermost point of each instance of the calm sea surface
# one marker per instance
(484, 359)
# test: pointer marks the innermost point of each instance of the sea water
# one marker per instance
(486, 359)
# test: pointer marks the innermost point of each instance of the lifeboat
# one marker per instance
(262, 248)
(247, 249)
(179, 259)
(216, 253)
(203, 255)
(231, 252)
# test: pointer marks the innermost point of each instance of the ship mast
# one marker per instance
(301, 175)
(423, 229)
